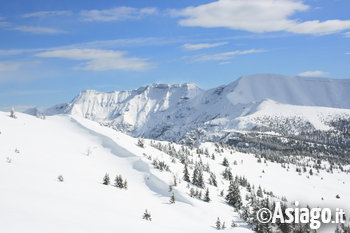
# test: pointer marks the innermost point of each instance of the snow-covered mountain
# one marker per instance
(54, 164)
(172, 112)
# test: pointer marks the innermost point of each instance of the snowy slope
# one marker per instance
(269, 111)
(170, 112)
(333, 93)
(34, 152)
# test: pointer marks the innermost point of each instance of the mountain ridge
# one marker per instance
(171, 111)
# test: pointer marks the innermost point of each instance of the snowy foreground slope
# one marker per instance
(32, 199)
(34, 152)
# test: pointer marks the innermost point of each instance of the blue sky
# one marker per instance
(50, 50)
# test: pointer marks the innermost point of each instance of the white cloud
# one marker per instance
(317, 27)
(224, 56)
(17, 65)
(12, 52)
(10, 65)
(347, 34)
(99, 60)
(315, 73)
(47, 14)
(202, 45)
(116, 14)
(3, 23)
(257, 16)
(38, 30)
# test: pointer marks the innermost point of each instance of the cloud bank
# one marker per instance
(315, 73)
(257, 16)
(99, 60)
(116, 14)
(202, 45)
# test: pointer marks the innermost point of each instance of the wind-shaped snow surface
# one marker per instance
(333, 93)
(170, 112)
(34, 152)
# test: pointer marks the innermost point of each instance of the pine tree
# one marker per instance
(125, 184)
(175, 181)
(60, 178)
(225, 162)
(141, 142)
(195, 176)
(172, 198)
(200, 179)
(192, 192)
(311, 172)
(12, 113)
(206, 197)
(233, 224)
(218, 224)
(106, 180)
(233, 196)
(212, 180)
(147, 216)
(186, 176)
(259, 193)
(227, 174)
(118, 181)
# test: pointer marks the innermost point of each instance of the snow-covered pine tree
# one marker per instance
(118, 181)
(233, 196)
(125, 184)
(12, 113)
(218, 224)
(195, 176)
(192, 192)
(212, 179)
(206, 196)
(175, 181)
(172, 198)
(227, 174)
(60, 178)
(186, 176)
(259, 193)
(147, 216)
(200, 178)
(233, 223)
(225, 162)
(141, 142)
(106, 180)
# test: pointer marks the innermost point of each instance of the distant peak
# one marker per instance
(88, 91)
(167, 86)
